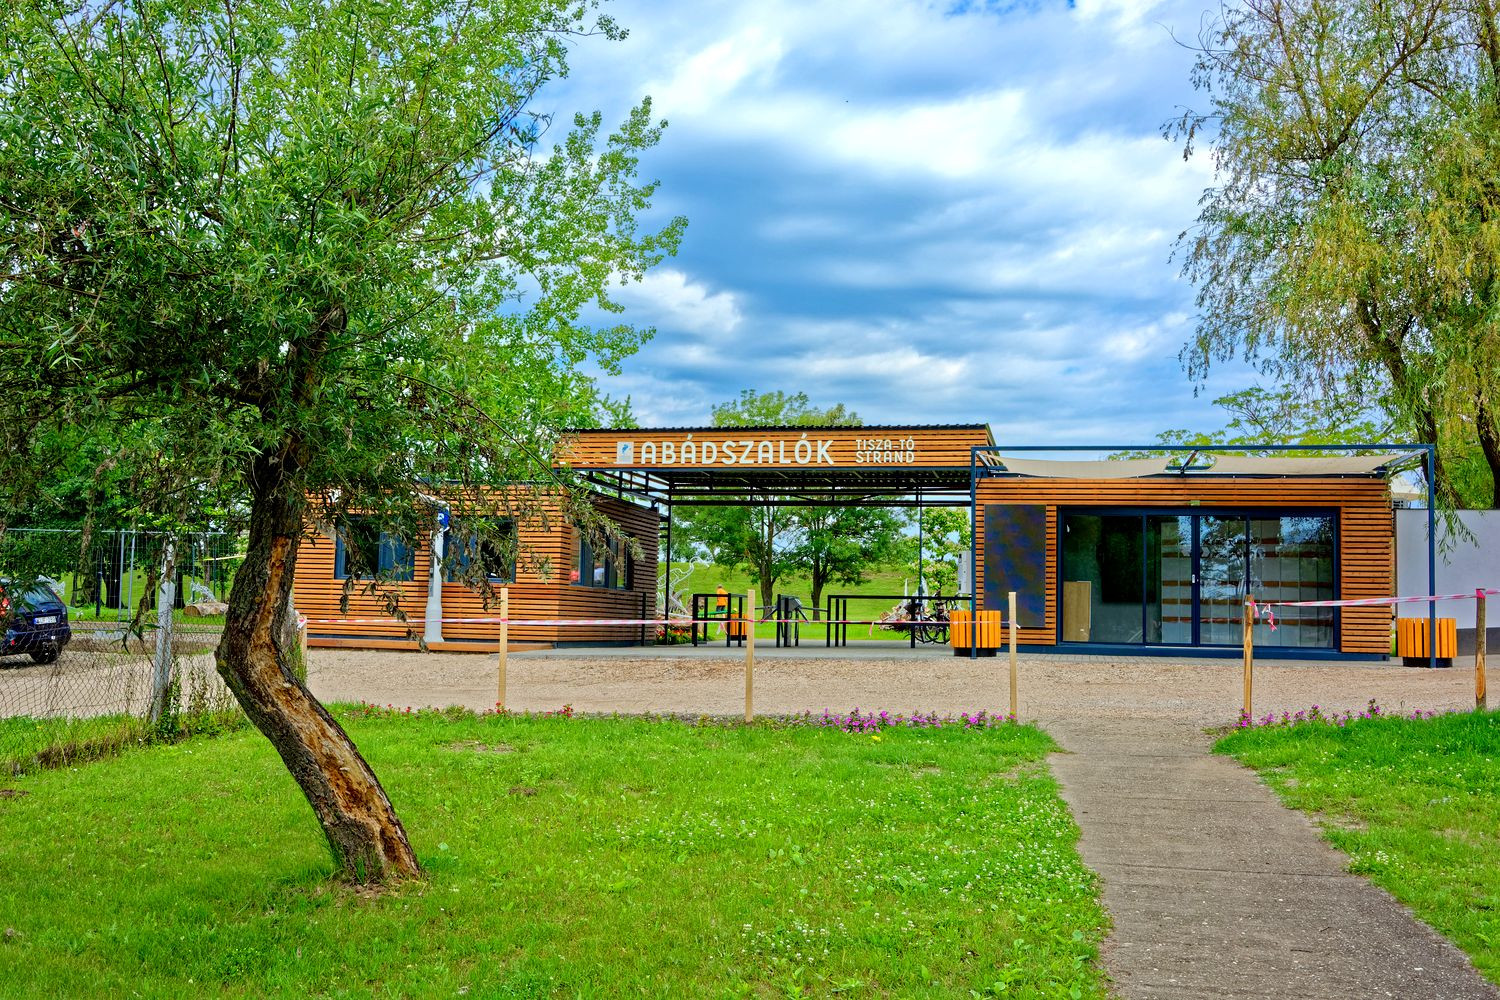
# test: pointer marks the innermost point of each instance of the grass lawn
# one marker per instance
(1415, 804)
(567, 858)
(59, 740)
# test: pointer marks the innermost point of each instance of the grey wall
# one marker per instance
(1466, 564)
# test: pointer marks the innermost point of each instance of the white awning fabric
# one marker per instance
(1125, 468)
(1342, 465)
(1223, 465)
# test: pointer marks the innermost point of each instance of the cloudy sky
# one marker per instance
(932, 212)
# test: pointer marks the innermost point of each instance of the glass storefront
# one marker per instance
(1181, 579)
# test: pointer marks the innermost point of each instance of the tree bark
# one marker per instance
(368, 841)
(818, 583)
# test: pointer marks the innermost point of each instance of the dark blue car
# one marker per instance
(36, 622)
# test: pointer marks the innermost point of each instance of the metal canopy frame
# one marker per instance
(839, 486)
(983, 465)
(887, 486)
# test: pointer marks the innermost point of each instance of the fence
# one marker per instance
(111, 577)
(101, 692)
(1427, 636)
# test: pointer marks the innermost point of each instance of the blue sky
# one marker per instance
(931, 214)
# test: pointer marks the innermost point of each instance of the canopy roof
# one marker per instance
(1124, 468)
(1197, 463)
(886, 465)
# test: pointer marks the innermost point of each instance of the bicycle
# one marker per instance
(929, 623)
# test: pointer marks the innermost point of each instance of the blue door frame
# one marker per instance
(1196, 603)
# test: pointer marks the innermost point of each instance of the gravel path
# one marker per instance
(1194, 692)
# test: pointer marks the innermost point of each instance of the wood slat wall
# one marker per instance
(1365, 522)
(941, 447)
(317, 593)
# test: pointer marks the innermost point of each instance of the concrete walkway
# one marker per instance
(1218, 891)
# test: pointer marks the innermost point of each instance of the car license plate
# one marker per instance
(45, 620)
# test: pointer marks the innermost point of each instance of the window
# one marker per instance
(497, 551)
(609, 567)
(386, 554)
(1182, 579)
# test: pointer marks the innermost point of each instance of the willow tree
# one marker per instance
(335, 250)
(1352, 236)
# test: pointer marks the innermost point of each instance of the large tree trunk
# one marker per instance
(818, 583)
(1489, 443)
(367, 840)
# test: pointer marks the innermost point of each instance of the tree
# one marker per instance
(1288, 415)
(841, 544)
(945, 539)
(323, 247)
(771, 540)
(759, 539)
(1351, 238)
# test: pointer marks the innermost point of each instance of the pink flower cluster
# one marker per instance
(1318, 716)
(854, 721)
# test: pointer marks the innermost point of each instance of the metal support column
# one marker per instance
(1431, 450)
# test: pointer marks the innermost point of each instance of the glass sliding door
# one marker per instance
(1181, 579)
(1102, 579)
(1222, 546)
(1292, 559)
(1169, 571)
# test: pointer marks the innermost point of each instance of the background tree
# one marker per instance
(945, 539)
(316, 242)
(1289, 415)
(843, 544)
(1350, 241)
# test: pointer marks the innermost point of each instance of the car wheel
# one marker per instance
(49, 655)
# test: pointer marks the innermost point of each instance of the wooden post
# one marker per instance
(1249, 653)
(1481, 642)
(1014, 710)
(504, 645)
(749, 655)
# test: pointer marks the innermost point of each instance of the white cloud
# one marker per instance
(924, 216)
(707, 78)
(669, 298)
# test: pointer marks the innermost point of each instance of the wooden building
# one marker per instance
(1136, 555)
(579, 584)
(1161, 558)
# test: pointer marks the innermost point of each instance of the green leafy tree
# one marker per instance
(945, 539)
(1289, 415)
(842, 544)
(331, 251)
(1350, 240)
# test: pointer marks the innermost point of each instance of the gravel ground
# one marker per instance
(1196, 692)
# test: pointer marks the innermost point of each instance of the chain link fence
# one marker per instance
(98, 695)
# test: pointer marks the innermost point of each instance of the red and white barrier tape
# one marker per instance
(1365, 602)
(1360, 602)
(685, 622)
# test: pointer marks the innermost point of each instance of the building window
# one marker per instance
(373, 549)
(496, 550)
(1182, 579)
(608, 567)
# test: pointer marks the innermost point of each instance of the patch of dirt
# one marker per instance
(12, 793)
(525, 791)
(474, 746)
(1347, 824)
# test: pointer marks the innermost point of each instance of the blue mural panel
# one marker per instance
(1015, 558)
